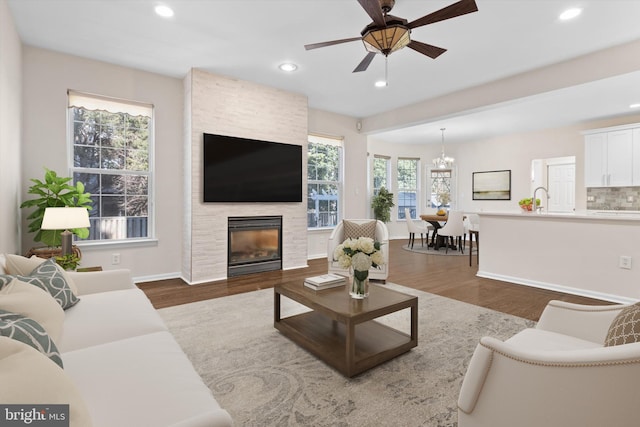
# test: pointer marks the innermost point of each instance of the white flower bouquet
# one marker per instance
(359, 255)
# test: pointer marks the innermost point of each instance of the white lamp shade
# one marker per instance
(65, 218)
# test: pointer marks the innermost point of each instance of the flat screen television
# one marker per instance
(249, 170)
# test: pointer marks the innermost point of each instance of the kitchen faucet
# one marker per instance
(533, 200)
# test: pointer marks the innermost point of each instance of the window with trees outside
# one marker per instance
(324, 181)
(407, 186)
(381, 172)
(439, 195)
(111, 144)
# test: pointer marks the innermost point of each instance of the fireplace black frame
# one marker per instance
(253, 223)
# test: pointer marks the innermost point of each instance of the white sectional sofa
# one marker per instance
(126, 365)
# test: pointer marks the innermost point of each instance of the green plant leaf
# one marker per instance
(82, 233)
(55, 191)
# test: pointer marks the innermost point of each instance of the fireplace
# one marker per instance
(255, 244)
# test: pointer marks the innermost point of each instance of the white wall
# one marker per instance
(47, 77)
(10, 132)
(355, 198)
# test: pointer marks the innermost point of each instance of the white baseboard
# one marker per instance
(295, 267)
(154, 277)
(558, 288)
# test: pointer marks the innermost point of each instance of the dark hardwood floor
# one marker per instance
(448, 276)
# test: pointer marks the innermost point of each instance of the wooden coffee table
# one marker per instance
(341, 331)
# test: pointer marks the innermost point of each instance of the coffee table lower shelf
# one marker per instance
(328, 339)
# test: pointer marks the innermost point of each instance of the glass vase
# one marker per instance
(359, 284)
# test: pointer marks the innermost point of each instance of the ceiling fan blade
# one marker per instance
(364, 64)
(372, 7)
(426, 49)
(456, 9)
(331, 43)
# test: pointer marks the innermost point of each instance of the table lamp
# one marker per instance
(65, 218)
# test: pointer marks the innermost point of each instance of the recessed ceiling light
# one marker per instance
(635, 105)
(288, 66)
(164, 11)
(570, 14)
(381, 83)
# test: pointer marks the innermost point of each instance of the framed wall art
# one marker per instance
(491, 185)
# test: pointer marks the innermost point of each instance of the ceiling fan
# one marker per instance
(388, 33)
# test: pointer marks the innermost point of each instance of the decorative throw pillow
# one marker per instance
(353, 230)
(30, 332)
(20, 265)
(29, 377)
(625, 328)
(31, 301)
(47, 276)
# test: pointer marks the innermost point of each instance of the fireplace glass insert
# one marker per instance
(255, 244)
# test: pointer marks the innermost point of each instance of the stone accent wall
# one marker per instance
(614, 198)
(225, 106)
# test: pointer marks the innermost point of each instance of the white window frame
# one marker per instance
(336, 142)
(387, 159)
(115, 105)
(453, 188)
(400, 209)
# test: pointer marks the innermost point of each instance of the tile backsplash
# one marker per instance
(614, 198)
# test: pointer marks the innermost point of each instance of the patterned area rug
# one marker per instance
(264, 379)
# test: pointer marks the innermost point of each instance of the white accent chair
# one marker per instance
(382, 236)
(558, 374)
(423, 228)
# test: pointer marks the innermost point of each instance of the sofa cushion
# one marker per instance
(30, 378)
(47, 276)
(541, 340)
(17, 264)
(109, 316)
(33, 302)
(141, 381)
(353, 230)
(20, 265)
(26, 330)
(625, 328)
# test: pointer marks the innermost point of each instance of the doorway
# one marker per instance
(562, 187)
(558, 175)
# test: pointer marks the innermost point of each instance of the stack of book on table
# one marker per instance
(324, 281)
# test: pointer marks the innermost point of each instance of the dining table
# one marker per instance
(434, 220)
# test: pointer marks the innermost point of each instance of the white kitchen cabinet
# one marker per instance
(636, 156)
(595, 157)
(609, 158)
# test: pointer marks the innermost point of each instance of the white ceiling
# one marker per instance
(248, 39)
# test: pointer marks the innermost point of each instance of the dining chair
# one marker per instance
(472, 227)
(454, 228)
(414, 228)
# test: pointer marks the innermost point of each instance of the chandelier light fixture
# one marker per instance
(443, 162)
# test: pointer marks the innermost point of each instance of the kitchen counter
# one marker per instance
(590, 215)
(579, 253)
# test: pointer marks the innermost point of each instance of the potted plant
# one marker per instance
(68, 262)
(382, 204)
(54, 191)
